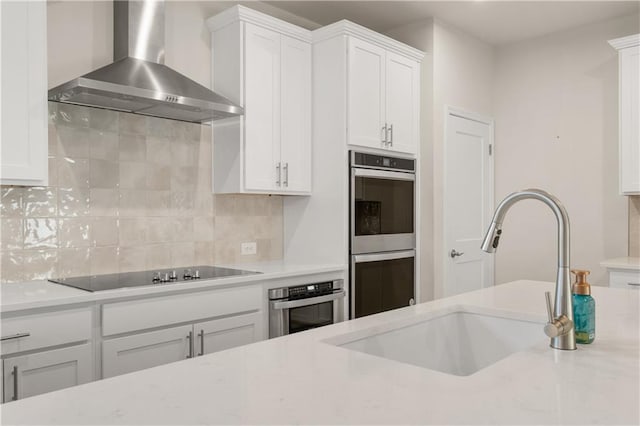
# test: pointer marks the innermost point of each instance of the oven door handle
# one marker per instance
(383, 174)
(308, 301)
(377, 257)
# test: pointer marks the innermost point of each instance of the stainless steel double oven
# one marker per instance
(382, 230)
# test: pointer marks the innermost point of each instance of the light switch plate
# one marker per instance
(248, 248)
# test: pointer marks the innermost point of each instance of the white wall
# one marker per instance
(556, 129)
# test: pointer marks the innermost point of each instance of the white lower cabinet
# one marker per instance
(46, 371)
(624, 279)
(227, 333)
(145, 350)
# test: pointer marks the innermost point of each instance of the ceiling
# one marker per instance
(495, 22)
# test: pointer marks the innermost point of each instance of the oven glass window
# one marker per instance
(312, 316)
(383, 285)
(383, 206)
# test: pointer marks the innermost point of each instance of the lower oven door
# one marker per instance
(292, 316)
(381, 282)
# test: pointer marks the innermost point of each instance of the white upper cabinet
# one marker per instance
(382, 85)
(629, 112)
(23, 143)
(263, 64)
(384, 93)
(366, 94)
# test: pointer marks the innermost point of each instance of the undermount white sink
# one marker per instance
(459, 342)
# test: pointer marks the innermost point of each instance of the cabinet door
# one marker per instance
(295, 117)
(41, 372)
(226, 333)
(366, 80)
(630, 120)
(262, 108)
(403, 102)
(23, 142)
(145, 350)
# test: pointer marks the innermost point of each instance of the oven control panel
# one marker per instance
(308, 290)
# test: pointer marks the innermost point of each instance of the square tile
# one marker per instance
(103, 260)
(104, 202)
(40, 201)
(40, 264)
(72, 142)
(73, 202)
(159, 150)
(132, 231)
(11, 201)
(73, 262)
(40, 233)
(74, 232)
(104, 174)
(133, 175)
(11, 233)
(104, 231)
(73, 172)
(104, 145)
(12, 266)
(132, 124)
(103, 119)
(132, 147)
(72, 116)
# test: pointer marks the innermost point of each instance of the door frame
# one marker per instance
(468, 115)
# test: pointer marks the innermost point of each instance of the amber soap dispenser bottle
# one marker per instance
(584, 308)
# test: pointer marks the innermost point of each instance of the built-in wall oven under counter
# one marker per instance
(303, 307)
(382, 233)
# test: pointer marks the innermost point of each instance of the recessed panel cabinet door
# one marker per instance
(145, 350)
(41, 372)
(630, 120)
(262, 108)
(403, 102)
(366, 94)
(227, 333)
(23, 141)
(295, 120)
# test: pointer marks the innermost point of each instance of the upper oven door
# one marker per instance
(382, 210)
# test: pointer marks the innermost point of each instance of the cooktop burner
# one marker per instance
(145, 278)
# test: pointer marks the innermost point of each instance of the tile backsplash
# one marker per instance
(128, 192)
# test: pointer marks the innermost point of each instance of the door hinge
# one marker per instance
(490, 149)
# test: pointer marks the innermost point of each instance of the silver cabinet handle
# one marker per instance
(306, 302)
(384, 138)
(391, 133)
(201, 334)
(454, 253)
(634, 284)
(190, 339)
(15, 383)
(15, 336)
(278, 174)
(286, 175)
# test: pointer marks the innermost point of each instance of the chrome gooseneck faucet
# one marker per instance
(560, 327)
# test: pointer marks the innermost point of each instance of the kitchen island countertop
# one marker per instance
(301, 379)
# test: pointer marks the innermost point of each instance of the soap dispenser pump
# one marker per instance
(584, 308)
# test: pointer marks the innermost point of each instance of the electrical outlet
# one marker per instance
(248, 248)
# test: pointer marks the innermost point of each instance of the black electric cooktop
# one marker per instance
(147, 278)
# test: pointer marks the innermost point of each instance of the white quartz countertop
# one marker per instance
(40, 294)
(300, 379)
(630, 263)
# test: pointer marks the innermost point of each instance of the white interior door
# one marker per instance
(468, 202)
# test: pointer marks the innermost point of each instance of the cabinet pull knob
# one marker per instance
(190, 340)
(391, 135)
(278, 173)
(15, 383)
(201, 334)
(15, 336)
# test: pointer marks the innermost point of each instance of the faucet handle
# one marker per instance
(547, 295)
(556, 327)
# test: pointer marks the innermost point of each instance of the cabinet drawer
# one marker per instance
(46, 329)
(143, 314)
(624, 279)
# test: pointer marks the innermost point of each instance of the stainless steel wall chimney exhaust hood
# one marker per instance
(138, 81)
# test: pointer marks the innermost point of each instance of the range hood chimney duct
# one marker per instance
(138, 81)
